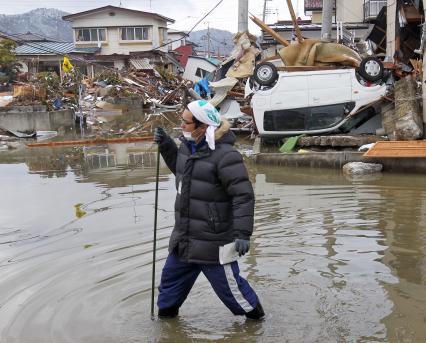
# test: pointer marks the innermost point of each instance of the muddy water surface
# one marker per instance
(333, 259)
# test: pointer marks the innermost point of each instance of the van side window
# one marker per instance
(307, 118)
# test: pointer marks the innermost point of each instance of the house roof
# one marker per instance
(211, 60)
(71, 17)
(173, 31)
(44, 48)
(33, 37)
(6, 36)
(52, 48)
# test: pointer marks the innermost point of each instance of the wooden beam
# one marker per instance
(294, 20)
(92, 141)
(266, 28)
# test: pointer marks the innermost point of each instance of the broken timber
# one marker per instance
(92, 141)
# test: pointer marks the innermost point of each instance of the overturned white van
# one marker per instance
(310, 102)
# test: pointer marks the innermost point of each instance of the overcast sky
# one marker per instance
(185, 12)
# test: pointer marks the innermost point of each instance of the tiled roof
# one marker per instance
(52, 48)
(44, 48)
(33, 37)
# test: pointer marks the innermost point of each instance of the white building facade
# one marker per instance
(119, 31)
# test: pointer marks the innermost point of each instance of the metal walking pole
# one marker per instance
(154, 248)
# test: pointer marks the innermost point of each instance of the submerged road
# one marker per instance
(333, 259)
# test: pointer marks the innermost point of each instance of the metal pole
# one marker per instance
(264, 10)
(242, 15)
(154, 244)
(327, 17)
(424, 75)
(390, 30)
(208, 39)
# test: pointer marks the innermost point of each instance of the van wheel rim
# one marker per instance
(264, 73)
(372, 68)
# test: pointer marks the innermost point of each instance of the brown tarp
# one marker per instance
(313, 52)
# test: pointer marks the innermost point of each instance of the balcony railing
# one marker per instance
(315, 5)
(372, 8)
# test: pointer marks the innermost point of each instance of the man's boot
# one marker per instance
(257, 313)
(169, 312)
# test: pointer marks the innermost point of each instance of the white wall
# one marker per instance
(173, 36)
(114, 45)
(350, 11)
(346, 11)
(119, 64)
(191, 68)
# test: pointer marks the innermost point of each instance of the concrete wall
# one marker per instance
(339, 159)
(119, 64)
(176, 35)
(114, 44)
(350, 11)
(24, 118)
(346, 11)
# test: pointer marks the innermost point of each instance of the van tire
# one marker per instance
(265, 74)
(371, 69)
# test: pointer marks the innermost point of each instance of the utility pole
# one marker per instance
(264, 10)
(208, 39)
(242, 15)
(423, 45)
(390, 30)
(327, 18)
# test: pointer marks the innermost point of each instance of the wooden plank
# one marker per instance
(398, 149)
(266, 28)
(95, 141)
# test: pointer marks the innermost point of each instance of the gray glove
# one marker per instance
(242, 246)
(159, 135)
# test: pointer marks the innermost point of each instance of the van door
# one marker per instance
(290, 92)
(331, 87)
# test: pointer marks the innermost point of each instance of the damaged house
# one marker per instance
(123, 37)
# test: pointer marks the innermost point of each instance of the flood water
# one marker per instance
(333, 259)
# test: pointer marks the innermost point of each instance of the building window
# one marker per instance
(163, 34)
(202, 73)
(90, 35)
(135, 33)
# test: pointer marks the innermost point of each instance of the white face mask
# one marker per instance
(188, 135)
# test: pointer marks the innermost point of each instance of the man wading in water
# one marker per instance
(214, 206)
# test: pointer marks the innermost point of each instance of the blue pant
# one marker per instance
(178, 278)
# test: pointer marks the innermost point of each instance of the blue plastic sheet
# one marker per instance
(202, 87)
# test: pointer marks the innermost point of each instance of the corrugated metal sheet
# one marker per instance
(44, 48)
(141, 63)
(398, 149)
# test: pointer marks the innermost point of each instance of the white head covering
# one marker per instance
(207, 114)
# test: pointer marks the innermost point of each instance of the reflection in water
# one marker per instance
(333, 259)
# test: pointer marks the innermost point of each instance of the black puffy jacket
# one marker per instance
(215, 200)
